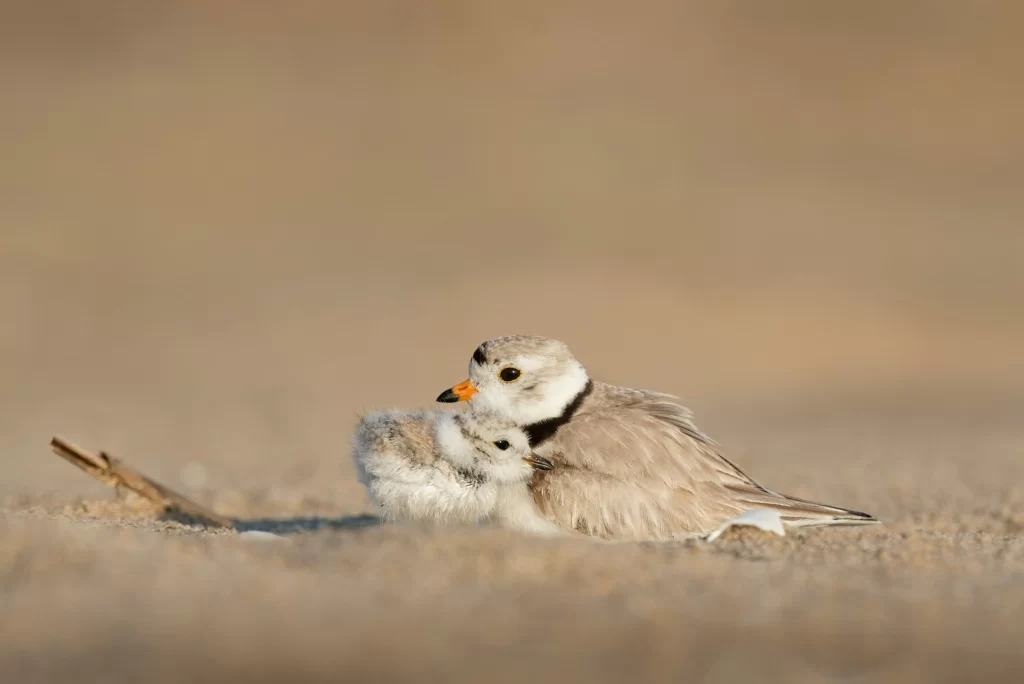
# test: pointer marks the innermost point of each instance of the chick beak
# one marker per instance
(539, 462)
(461, 392)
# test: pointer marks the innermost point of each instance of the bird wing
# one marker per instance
(632, 463)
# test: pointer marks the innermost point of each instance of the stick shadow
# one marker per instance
(307, 524)
(283, 526)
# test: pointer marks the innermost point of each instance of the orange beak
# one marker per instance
(461, 392)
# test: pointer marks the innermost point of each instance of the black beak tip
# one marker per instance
(447, 397)
(541, 463)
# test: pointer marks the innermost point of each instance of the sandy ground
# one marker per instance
(226, 229)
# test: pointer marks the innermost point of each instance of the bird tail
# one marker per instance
(800, 513)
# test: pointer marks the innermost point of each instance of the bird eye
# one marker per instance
(502, 444)
(510, 374)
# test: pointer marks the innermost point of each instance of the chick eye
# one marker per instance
(510, 374)
(502, 444)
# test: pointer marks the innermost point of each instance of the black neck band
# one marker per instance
(544, 430)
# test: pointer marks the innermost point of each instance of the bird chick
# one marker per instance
(449, 468)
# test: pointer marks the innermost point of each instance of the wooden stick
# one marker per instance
(114, 473)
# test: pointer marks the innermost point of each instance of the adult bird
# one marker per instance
(628, 463)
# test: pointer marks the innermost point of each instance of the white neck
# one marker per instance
(452, 445)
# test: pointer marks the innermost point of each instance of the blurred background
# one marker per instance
(229, 227)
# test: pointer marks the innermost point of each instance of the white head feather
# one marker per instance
(548, 378)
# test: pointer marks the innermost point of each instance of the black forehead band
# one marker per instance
(478, 355)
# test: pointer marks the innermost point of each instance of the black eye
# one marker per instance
(509, 374)
(502, 444)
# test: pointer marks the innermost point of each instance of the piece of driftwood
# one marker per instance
(114, 473)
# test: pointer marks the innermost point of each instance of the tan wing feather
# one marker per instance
(633, 464)
(602, 506)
